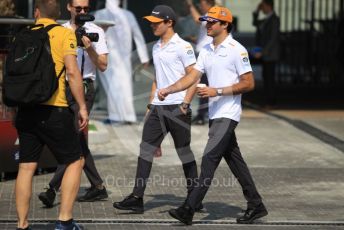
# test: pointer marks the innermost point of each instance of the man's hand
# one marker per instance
(158, 152)
(184, 111)
(163, 93)
(86, 41)
(83, 119)
(206, 92)
(189, 2)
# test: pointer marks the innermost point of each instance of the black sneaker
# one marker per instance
(72, 226)
(252, 214)
(130, 203)
(48, 197)
(94, 194)
(184, 214)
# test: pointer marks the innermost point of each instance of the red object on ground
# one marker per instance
(9, 147)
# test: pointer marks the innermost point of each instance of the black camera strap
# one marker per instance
(82, 62)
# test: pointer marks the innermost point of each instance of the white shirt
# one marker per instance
(223, 67)
(100, 47)
(170, 62)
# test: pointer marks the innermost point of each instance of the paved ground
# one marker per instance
(298, 173)
(296, 158)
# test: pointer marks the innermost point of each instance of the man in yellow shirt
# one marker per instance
(50, 124)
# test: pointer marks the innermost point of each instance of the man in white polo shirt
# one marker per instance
(226, 63)
(173, 58)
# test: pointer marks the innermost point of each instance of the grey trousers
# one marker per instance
(161, 120)
(222, 143)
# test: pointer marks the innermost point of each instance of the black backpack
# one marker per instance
(30, 76)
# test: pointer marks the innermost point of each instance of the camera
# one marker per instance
(80, 31)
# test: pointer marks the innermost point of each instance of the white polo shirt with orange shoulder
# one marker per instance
(170, 62)
(223, 67)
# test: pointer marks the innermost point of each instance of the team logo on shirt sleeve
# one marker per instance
(244, 58)
(190, 52)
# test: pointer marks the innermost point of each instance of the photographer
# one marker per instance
(91, 55)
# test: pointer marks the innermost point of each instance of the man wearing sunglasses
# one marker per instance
(226, 63)
(90, 57)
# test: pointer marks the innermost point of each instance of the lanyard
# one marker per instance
(82, 62)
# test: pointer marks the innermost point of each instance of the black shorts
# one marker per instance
(47, 125)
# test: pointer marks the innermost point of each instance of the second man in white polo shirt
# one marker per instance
(226, 63)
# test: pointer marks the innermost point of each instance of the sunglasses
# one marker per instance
(78, 9)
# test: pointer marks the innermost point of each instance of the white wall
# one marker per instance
(242, 9)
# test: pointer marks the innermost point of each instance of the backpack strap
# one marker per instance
(35, 26)
(49, 27)
(46, 28)
(63, 69)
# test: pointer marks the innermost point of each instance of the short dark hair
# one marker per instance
(269, 2)
(49, 8)
(70, 2)
(229, 27)
(210, 2)
(173, 22)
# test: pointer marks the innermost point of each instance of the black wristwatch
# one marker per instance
(149, 106)
(185, 105)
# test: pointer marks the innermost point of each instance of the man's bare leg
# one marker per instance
(69, 189)
(23, 192)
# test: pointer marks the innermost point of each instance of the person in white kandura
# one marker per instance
(117, 79)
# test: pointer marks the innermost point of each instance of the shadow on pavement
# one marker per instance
(300, 97)
(215, 210)
(219, 210)
(163, 200)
